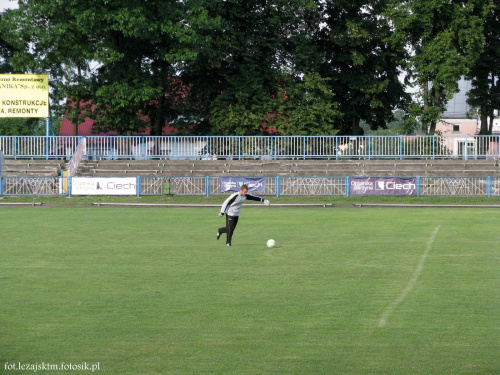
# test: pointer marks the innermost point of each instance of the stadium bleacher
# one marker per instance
(255, 168)
(33, 167)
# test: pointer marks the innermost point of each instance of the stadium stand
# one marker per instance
(321, 168)
(256, 168)
(33, 167)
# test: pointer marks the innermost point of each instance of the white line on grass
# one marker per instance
(412, 282)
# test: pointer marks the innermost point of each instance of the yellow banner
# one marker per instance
(24, 95)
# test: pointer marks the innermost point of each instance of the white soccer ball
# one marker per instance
(271, 243)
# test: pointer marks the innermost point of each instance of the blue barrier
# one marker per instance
(273, 186)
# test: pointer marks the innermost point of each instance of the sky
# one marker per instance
(6, 4)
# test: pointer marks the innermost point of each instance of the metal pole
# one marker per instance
(47, 139)
(207, 186)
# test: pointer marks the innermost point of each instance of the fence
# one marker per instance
(31, 186)
(261, 147)
(274, 186)
(38, 146)
(80, 152)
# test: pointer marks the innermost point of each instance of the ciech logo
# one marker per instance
(391, 185)
(113, 185)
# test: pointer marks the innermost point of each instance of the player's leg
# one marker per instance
(223, 229)
(232, 221)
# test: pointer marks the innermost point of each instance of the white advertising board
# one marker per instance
(104, 186)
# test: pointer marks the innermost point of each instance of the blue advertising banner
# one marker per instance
(255, 184)
(383, 186)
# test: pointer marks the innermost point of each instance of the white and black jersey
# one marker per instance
(232, 205)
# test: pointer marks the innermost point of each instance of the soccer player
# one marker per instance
(231, 207)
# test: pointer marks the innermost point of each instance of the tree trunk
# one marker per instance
(356, 129)
(426, 104)
(158, 121)
(483, 84)
(437, 94)
(483, 144)
(483, 130)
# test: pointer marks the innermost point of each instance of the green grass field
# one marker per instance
(346, 290)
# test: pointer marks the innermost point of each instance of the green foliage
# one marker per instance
(239, 119)
(395, 127)
(444, 39)
(238, 67)
(118, 55)
(22, 126)
(419, 117)
(299, 107)
(6, 49)
(485, 72)
(257, 47)
(362, 66)
(306, 107)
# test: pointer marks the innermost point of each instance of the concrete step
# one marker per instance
(42, 168)
(250, 168)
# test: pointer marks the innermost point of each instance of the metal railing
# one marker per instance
(31, 186)
(255, 147)
(339, 186)
(463, 186)
(77, 157)
(274, 186)
(52, 147)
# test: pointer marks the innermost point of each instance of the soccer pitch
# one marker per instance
(345, 291)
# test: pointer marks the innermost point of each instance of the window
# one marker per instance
(456, 128)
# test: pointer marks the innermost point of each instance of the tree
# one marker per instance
(360, 63)
(143, 55)
(226, 67)
(306, 107)
(118, 55)
(485, 73)
(254, 52)
(50, 37)
(22, 126)
(6, 49)
(443, 39)
(394, 127)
